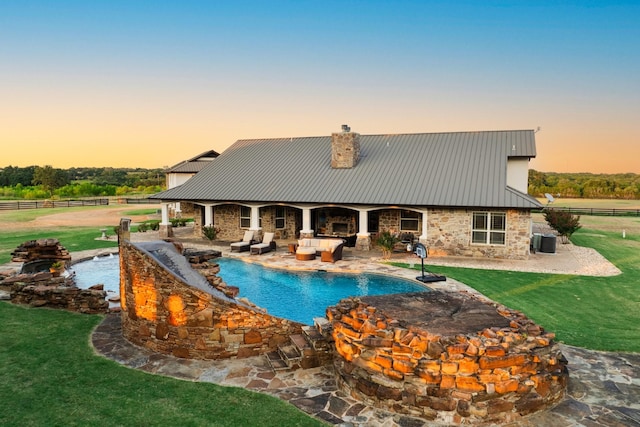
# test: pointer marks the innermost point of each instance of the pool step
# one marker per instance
(291, 355)
(276, 362)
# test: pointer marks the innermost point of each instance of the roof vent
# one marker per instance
(346, 128)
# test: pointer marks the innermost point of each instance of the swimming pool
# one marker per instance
(303, 295)
(103, 270)
(299, 295)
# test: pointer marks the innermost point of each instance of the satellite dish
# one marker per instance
(549, 197)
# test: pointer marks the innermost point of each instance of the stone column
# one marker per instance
(363, 241)
(124, 231)
(306, 231)
(165, 230)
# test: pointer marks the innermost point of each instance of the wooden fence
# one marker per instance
(40, 204)
(140, 201)
(598, 211)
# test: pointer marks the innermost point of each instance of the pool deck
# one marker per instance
(604, 387)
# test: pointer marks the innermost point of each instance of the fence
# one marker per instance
(598, 211)
(136, 201)
(40, 204)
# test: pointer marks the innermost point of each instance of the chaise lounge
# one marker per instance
(244, 244)
(267, 245)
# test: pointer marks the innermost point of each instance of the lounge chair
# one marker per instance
(244, 244)
(267, 245)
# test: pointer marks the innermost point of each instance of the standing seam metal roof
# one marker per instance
(462, 169)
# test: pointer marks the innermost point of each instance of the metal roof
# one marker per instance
(189, 166)
(460, 169)
(194, 164)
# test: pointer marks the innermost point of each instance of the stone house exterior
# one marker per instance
(459, 193)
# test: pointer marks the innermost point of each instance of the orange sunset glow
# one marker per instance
(141, 85)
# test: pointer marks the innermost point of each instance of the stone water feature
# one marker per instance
(36, 286)
(171, 308)
(446, 357)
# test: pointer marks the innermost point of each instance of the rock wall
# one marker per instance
(496, 375)
(166, 315)
(40, 249)
(44, 290)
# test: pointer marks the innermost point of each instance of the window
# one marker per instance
(409, 220)
(245, 217)
(489, 228)
(280, 217)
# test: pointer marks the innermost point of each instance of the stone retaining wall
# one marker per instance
(496, 375)
(44, 290)
(166, 315)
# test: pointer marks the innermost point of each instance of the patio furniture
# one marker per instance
(244, 244)
(305, 254)
(333, 247)
(267, 245)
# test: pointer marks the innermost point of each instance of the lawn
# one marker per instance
(50, 376)
(601, 313)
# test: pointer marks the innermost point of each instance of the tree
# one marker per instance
(565, 223)
(50, 178)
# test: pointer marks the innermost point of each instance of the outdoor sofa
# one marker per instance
(330, 250)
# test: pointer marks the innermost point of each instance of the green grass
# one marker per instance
(50, 376)
(601, 313)
(72, 238)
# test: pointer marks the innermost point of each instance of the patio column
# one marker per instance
(423, 236)
(165, 231)
(363, 241)
(255, 218)
(306, 231)
(208, 215)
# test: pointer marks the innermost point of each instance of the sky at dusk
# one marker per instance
(151, 83)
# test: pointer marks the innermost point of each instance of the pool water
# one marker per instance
(303, 295)
(299, 295)
(99, 270)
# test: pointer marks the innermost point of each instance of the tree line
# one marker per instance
(38, 182)
(585, 185)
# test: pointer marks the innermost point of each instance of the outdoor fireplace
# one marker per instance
(340, 228)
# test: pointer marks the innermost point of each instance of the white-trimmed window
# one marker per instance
(409, 220)
(280, 217)
(245, 217)
(489, 228)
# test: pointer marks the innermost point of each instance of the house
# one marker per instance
(180, 173)
(459, 193)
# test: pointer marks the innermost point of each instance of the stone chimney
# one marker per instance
(345, 148)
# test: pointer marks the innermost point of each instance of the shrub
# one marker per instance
(210, 231)
(565, 223)
(142, 228)
(154, 225)
(386, 241)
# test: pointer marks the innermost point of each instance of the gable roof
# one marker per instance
(194, 164)
(461, 169)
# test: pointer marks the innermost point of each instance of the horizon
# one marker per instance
(148, 85)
